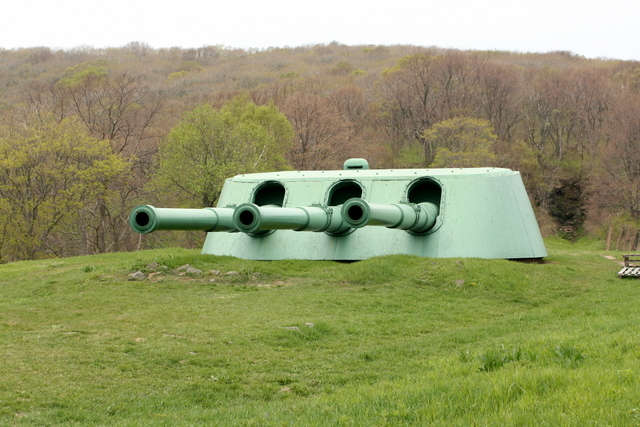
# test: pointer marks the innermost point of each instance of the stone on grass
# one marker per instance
(138, 275)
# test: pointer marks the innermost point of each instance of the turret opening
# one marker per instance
(270, 193)
(343, 191)
(424, 190)
(142, 219)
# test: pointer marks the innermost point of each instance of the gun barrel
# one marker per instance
(251, 218)
(146, 219)
(417, 218)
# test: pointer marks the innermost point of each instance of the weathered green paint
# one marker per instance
(359, 213)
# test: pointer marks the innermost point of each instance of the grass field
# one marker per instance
(388, 341)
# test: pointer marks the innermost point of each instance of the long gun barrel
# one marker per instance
(146, 218)
(251, 218)
(413, 217)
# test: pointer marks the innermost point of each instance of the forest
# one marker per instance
(86, 134)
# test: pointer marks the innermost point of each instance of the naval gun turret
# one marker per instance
(358, 213)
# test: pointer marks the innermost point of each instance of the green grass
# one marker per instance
(395, 340)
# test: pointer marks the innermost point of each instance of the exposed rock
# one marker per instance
(215, 272)
(192, 270)
(231, 273)
(292, 328)
(567, 206)
(152, 265)
(309, 325)
(138, 275)
(183, 267)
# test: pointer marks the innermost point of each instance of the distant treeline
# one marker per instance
(86, 134)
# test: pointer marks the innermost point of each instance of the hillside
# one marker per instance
(387, 341)
(111, 117)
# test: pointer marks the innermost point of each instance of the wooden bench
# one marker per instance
(630, 269)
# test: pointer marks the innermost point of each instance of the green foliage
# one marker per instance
(177, 75)
(496, 358)
(81, 73)
(290, 75)
(187, 67)
(49, 171)
(210, 145)
(568, 355)
(411, 63)
(411, 156)
(342, 68)
(630, 78)
(462, 142)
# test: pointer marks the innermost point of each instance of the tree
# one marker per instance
(563, 125)
(210, 145)
(49, 171)
(409, 104)
(462, 142)
(321, 134)
(114, 106)
(618, 185)
(423, 89)
(500, 89)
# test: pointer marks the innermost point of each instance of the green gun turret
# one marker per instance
(359, 213)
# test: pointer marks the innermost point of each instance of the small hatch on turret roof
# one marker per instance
(356, 164)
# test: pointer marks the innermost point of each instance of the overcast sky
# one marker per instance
(591, 28)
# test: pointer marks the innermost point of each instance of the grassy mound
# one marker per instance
(394, 340)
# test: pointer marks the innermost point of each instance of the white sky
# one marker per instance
(592, 28)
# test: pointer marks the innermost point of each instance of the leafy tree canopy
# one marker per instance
(49, 170)
(80, 73)
(210, 145)
(462, 142)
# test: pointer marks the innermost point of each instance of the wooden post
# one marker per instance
(609, 233)
(620, 236)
